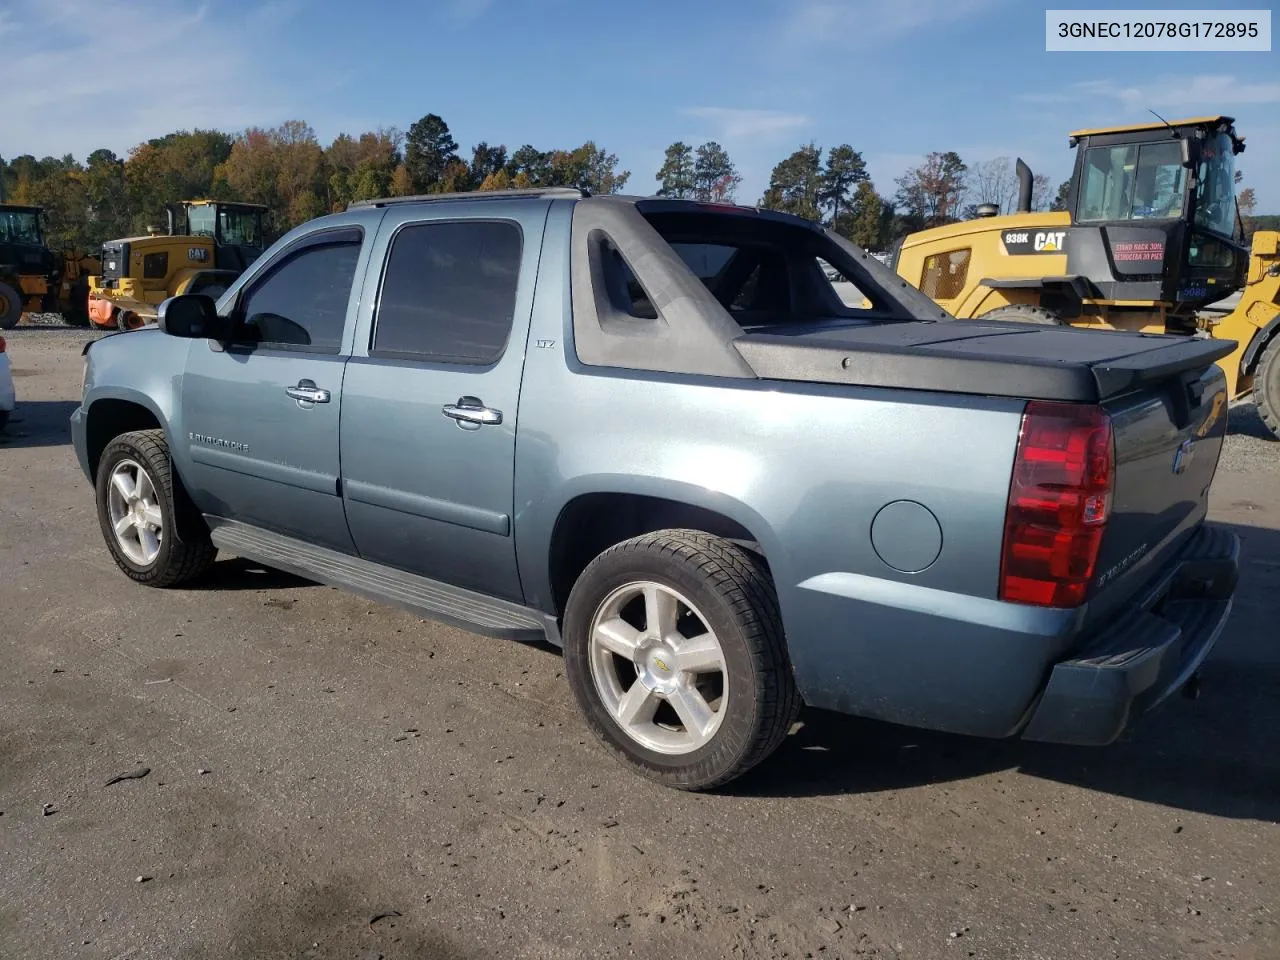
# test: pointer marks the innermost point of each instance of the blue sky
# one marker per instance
(894, 78)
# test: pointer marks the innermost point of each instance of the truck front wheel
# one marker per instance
(675, 652)
(1266, 386)
(152, 529)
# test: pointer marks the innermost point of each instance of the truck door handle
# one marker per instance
(306, 391)
(471, 410)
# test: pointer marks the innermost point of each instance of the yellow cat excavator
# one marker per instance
(217, 242)
(1151, 239)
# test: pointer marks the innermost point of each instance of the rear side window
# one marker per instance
(449, 292)
(302, 302)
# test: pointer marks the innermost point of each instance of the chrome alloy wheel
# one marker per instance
(658, 668)
(134, 508)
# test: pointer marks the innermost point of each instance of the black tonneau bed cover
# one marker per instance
(991, 358)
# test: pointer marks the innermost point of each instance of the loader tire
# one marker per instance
(10, 307)
(1266, 387)
(1023, 313)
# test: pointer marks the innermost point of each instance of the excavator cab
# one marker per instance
(235, 228)
(1153, 214)
(1151, 241)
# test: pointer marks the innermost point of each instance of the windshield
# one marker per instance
(1215, 190)
(20, 226)
(240, 227)
(200, 221)
(1133, 182)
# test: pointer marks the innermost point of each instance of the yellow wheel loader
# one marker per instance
(33, 279)
(1151, 239)
(217, 242)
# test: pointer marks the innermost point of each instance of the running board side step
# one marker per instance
(455, 606)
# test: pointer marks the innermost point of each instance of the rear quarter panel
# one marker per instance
(806, 469)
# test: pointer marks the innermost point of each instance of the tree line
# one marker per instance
(287, 169)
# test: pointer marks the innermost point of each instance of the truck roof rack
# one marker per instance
(514, 193)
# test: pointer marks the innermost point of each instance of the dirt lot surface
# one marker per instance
(330, 778)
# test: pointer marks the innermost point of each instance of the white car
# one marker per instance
(7, 397)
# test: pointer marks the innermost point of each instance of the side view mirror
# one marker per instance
(1185, 144)
(191, 315)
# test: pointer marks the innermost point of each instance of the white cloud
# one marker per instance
(1177, 92)
(67, 92)
(464, 12)
(734, 123)
(854, 22)
(1181, 92)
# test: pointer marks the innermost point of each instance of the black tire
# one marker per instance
(10, 307)
(735, 597)
(1024, 313)
(186, 553)
(127, 320)
(1266, 386)
(4, 419)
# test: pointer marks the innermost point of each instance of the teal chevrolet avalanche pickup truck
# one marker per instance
(652, 433)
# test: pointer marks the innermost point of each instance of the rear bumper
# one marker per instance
(1148, 653)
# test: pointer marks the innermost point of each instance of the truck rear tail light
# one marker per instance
(1059, 502)
(2, 344)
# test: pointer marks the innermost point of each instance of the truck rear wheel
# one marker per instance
(152, 529)
(674, 650)
(1024, 313)
(1266, 386)
(10, 307)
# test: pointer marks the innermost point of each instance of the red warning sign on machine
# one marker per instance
(1141, 250)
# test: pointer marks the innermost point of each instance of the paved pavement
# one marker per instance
(330, 778)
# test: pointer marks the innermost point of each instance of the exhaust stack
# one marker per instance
(1025, 184)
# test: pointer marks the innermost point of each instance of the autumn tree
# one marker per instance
(177, 166)
(499, 180)
(675, 176)
(428, 149)
(794, 184)
(844, 171)
(108, 199)
(401, 182)
(1041, 187)
(1247, 201)
(283, 168)
(993, 181)
(867, 221)
(61, 192)
(1060, 199)
(933, 191)
(587, 167)
(529, 167)
(715, 178)
(362, 169)
(486, 161)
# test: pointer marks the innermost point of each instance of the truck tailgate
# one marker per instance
(1168, 439)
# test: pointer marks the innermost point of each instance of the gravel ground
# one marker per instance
(331, 778)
